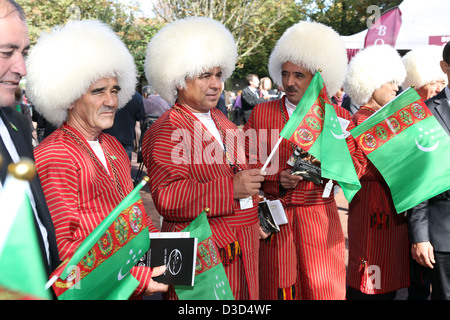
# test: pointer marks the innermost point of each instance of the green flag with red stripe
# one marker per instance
(409, 147)
(211, 282)
(315, 127)
(99, 268)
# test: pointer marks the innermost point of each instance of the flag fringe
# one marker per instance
(230, 252)
(287, 293)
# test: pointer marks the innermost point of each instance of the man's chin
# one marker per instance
(7, 99)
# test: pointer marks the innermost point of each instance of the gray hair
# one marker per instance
(147, 90)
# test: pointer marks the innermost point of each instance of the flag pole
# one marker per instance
(96, 234)
(271, 154)
(51, 282)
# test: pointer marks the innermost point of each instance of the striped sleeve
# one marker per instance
(177, 195)
(60, 185)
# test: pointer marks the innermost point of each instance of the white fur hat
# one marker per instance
(186, 48)
(372, 68)
(314, 46)
(422, 66)
(64, 63)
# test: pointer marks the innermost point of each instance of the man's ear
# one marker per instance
(445, 68)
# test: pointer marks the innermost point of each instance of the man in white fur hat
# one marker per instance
(79, 75)
(424, 72)
(190, 152)
(309, 251)
(378, 263)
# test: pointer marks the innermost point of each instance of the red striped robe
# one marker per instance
(79, 191)
(184, 182)
(378, 236)
(307, 257)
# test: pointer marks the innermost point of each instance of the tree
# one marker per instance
(135, 32)
(255, 24)
(347, 16)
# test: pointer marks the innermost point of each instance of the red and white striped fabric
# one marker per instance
(378, 236)
(188, 173)
(79, 191)
(307, 257)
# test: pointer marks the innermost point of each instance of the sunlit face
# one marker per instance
(385, 94)
(95, 110)
(14, 45)
(202, 93)
(430, 89)
(255, 82)
(296, 80)
(266, 84)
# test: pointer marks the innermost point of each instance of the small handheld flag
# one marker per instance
(211, 282)
(99, 268)
(406, 143)
(21, 262)
(315, 127)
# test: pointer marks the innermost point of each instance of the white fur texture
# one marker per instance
(422, 66)
(314, 46)
(372, 68)
(64, 63)
(186, 48)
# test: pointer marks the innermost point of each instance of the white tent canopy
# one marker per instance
(420, 20)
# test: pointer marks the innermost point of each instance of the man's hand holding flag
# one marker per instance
(99, 269)
(315, 127)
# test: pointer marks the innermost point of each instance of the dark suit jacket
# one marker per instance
(22, 141)
(249, 99)
(430, 220)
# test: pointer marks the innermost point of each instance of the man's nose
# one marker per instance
(18, 65)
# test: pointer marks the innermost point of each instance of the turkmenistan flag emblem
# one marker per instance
(406, 143)
(315, 127)
(211, 282)
(99, 269)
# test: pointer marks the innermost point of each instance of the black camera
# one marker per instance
(305, 165)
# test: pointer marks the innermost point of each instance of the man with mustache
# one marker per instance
(309, 251)
(85, 173)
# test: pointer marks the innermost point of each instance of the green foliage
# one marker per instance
(347, 16)
(255, 24)
(42, 15)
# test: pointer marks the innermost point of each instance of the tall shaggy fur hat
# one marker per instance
(313, 46)
(186, 48)
(64, 64)
(372, 68)
(422, 66)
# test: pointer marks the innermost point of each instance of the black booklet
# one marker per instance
(177, 251)
(271, 215)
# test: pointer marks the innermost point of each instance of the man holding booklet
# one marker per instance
(308, 251)
(77, 84)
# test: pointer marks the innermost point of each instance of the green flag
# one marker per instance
(21, 262)
(211, 282)
(99, 268)
(315, 127)
(409, 147)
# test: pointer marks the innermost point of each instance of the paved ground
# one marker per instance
(340, 199)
